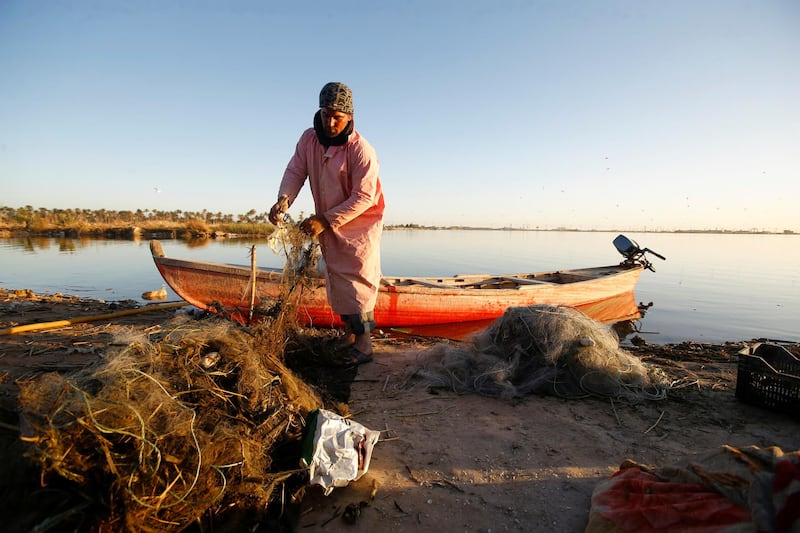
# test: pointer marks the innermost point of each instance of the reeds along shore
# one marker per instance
(27, 221)
(136, 232)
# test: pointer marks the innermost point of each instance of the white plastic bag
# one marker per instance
(336, 450)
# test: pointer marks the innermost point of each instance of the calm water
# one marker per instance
(711, 288)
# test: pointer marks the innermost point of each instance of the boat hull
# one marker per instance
(403, 302)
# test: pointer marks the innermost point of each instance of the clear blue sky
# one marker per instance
(589, 114)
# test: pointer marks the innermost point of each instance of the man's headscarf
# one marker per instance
(337, 96)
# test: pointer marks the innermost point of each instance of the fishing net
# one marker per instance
(168, 425)
(171, 427)
(542, 349)
(302, 258)
(303, 266)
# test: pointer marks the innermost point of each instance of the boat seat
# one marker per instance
(526, 281)
(432, 284)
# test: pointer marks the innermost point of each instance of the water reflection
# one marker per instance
(198, 242)
(625, 328)
(65, 243)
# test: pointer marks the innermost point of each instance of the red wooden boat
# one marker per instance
(604, 293)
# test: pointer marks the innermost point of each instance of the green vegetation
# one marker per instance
(43, 221)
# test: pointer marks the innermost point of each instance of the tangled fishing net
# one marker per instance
(170, 425)
(542, 349)
(301, 253)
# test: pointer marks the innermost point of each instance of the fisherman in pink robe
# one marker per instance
(342, 170)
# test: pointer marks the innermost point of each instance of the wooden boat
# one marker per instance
(403, 302)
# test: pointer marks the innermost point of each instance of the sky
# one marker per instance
(601, 114)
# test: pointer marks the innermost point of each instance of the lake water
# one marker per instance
(711, 288)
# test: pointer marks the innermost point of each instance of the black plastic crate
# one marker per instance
(769, 376)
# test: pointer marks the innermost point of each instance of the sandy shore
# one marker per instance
(445, 462)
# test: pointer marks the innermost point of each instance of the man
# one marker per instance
(342, 170)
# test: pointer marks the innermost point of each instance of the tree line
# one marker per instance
(42, 220)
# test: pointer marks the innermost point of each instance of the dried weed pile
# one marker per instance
(542, 349)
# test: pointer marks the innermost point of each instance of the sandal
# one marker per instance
(353, 357)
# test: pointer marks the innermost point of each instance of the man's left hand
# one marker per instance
(314, 225)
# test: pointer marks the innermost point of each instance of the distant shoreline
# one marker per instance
(43, 222)
(608, 230)
(189, 232)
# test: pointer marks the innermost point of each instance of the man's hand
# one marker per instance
(314, 225)
(280, 207)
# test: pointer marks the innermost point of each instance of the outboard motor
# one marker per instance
(633, 254)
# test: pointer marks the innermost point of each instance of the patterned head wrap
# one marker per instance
(337, 96)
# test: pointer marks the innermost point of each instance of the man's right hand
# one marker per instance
(280, 207)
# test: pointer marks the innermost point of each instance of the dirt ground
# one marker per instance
(445, 462)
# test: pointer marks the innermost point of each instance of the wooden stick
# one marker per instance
(62, 323)
(615, 412)
(654, 425)
(426, 413)
(252, 282)
(3, 425)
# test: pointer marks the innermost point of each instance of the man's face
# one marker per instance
(334, 122)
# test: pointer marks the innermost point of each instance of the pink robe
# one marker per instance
(347, 192)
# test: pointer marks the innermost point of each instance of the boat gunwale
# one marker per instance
(437, 284)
